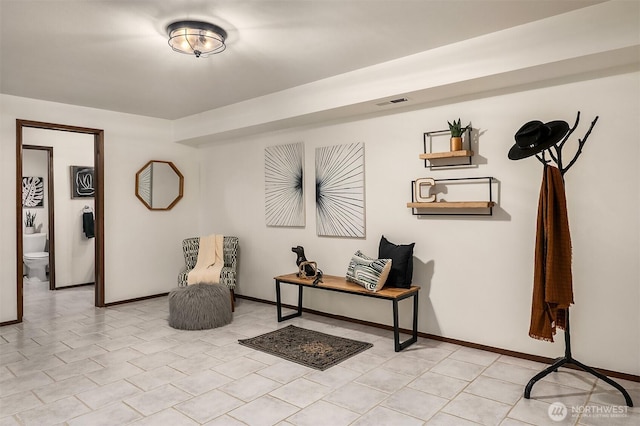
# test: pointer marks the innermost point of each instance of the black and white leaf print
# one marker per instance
(32, 191)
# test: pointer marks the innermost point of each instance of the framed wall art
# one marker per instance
(32, 191)
(284, 185)
(340, 190)
(82, 182)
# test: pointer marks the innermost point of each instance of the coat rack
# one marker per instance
(555, 152)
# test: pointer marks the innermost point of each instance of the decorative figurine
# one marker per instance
(306, 268)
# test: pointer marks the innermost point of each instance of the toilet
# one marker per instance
(35, 258)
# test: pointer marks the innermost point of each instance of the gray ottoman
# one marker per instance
(199, 307)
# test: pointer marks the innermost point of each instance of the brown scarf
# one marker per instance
(552, 280)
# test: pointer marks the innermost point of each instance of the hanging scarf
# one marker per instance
(552, 279)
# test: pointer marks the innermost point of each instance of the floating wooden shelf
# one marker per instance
(464, 208)
(453, 205)
(462, 158)
(450, 154)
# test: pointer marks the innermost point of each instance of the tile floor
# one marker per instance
(70, 363)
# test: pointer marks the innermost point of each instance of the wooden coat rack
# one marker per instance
(555, 152)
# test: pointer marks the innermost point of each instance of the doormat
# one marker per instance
(307, 347)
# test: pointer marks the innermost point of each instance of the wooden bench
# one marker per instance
(340, 284)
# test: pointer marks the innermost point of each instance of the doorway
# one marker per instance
(98, 149)
(48, 207)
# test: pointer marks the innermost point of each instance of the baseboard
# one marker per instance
(137, 299)
(515, 354)
(73, 286)
(3, 324)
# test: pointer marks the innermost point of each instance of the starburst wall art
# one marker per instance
(284, 185)
(340, 190)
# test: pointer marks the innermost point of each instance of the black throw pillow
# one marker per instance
(401, 272)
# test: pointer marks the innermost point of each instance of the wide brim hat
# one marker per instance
(535, 136)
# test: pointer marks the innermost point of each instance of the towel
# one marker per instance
(88, 225)
(552, 278)
(210, 261)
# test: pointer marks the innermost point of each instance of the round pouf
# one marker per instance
(199, 307)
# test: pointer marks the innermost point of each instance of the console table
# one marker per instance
(341, 285)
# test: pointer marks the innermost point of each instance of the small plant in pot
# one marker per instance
(457, 131)
(29, 223)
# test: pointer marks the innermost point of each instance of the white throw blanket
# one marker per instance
(210, 261)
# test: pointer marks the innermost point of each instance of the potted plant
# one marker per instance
(29, 223)
(457, 131)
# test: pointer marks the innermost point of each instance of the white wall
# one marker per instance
(476, 273)
(74, 253)
(143, 252)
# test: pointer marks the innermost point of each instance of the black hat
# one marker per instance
(535, 137)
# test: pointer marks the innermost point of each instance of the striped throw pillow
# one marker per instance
(368, 272)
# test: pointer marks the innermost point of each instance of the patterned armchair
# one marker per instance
(190, 247)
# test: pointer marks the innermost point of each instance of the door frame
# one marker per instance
(98, 164)
(51, 210)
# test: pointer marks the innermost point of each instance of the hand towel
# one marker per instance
(88, 224)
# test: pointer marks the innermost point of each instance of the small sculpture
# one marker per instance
(417, 190)
(306, 268)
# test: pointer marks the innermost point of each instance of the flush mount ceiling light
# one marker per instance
(196, 38)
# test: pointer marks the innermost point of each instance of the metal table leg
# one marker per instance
(396, 329)
(279, 304)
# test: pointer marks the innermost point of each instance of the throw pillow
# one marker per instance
(401, 272)
(368, 272)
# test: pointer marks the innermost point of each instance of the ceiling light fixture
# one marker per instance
(196, 38)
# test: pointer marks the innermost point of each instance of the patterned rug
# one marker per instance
(307, 347)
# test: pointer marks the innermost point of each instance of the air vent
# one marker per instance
(393, 101)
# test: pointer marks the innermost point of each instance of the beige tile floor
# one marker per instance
(70, 363)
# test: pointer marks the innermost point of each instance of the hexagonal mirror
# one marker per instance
(159, 185)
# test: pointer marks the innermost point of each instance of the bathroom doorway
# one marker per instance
(97, 139)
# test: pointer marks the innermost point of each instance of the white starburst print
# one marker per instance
(340, 190)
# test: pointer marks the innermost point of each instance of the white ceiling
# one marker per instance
(114, 55)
